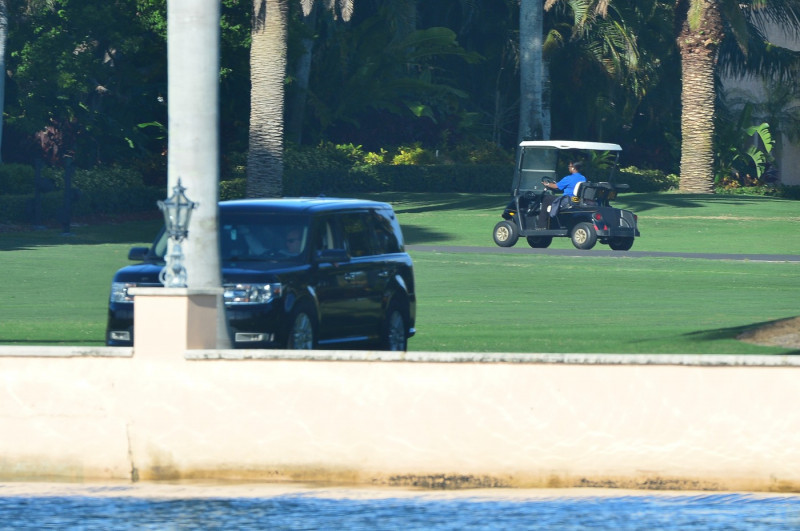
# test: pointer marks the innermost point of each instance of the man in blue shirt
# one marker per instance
(566, 185)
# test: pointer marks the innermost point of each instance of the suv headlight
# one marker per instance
(251, 293)
(119, 291)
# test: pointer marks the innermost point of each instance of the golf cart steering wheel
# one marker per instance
(548, 180)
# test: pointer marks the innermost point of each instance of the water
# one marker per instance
(68, 508)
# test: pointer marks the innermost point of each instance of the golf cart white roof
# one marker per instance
(571, 144)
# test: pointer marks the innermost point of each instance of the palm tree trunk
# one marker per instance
(698, 41)
(532, 124)
(267, 73)
(3, 38)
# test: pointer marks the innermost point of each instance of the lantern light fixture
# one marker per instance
(177, 210)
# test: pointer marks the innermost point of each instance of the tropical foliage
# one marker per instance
(744, 151)
(86, 80)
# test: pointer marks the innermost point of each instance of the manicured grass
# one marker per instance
(667, 221)
(530, 303)
(55, 287)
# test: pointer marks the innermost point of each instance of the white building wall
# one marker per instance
(789, 157)
(788, 160)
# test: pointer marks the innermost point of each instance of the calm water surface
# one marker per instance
(121, 508)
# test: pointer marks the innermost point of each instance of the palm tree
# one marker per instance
(3, 38)
(534, 112)
(302, 70)
(703, 27)
(267, 78)
(267, 73)
(591, 45)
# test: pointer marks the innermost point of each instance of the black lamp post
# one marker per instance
(177, 210)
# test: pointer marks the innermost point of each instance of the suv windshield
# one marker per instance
(263, 237)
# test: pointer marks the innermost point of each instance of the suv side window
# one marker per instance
(327, 235)
(357, 233)
(385, 234)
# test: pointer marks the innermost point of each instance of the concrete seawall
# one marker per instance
(436, 420)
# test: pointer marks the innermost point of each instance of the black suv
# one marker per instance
(297, 273)
(586, 218)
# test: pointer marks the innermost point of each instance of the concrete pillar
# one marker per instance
(170, 321)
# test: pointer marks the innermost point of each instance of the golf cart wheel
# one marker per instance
(540, 242)
(620, 244)
(505, 234)
(583, 236)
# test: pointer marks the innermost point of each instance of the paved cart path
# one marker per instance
(523, 248)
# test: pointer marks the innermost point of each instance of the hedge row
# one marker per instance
(403, 178)
(49, 208)
(119, 191)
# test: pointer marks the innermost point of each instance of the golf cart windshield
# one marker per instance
(537, 159)
(535, 164)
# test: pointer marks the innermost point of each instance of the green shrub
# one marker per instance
(324, 156)
(313, 182)
(414, 154)
(16, 179)
(641, 180)
(234, 166)
(15, 208)
(232, 189)
(785, 192)
(481, 153)
(22, 208)
(486, 178)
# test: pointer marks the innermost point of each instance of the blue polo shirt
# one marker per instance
(567, 184)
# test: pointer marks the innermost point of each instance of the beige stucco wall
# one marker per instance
(428, 419)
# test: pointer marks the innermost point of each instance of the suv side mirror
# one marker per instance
(138, 253)
(333, 255)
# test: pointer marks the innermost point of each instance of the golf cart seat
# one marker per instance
(585, 193)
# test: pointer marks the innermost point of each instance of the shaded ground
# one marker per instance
(784, 333)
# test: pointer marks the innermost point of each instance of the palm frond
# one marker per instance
(346, 9)
(307, 6)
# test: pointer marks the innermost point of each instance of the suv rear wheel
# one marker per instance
(395, 328)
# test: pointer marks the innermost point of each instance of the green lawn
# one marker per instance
(530, 303)
(667, 221)
(55, 287)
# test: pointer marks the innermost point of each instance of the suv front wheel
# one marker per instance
(302, 329)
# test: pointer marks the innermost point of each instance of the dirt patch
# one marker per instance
(784, 333)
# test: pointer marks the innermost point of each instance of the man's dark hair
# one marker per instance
(578, 165)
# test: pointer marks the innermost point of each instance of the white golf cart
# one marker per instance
(587, 218)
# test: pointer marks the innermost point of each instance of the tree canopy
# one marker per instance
(87, 78)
